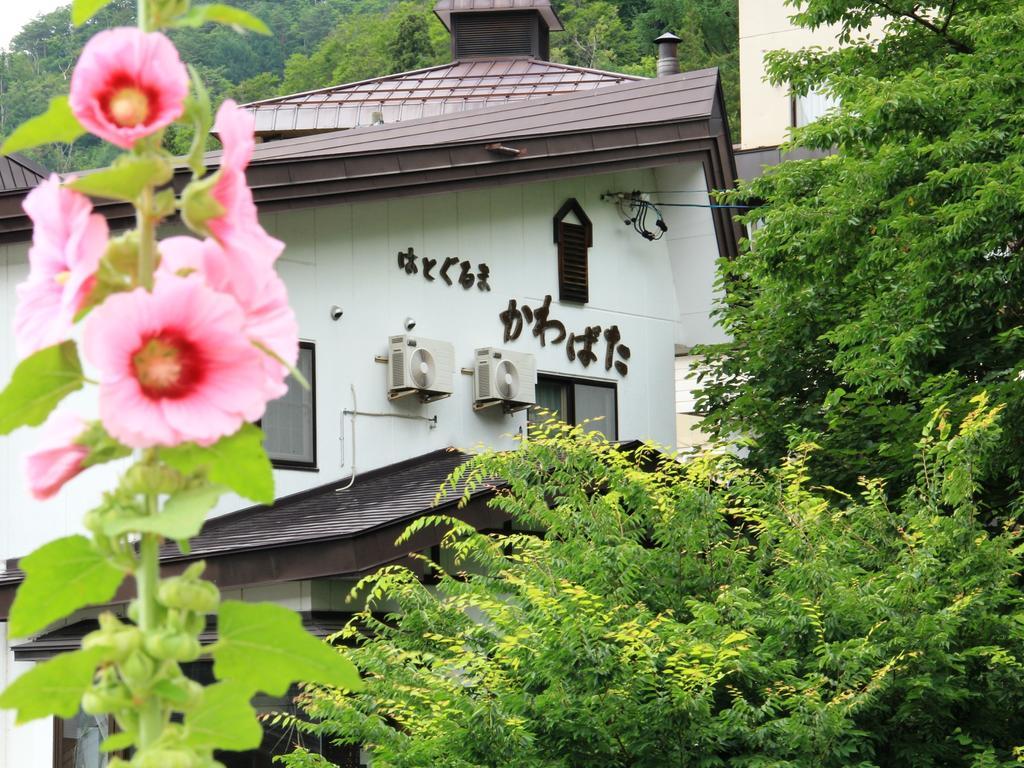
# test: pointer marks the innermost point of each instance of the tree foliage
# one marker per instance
(318, 43)
(697, 615)
(886, 278)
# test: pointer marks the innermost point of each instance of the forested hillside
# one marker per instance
(316, 43)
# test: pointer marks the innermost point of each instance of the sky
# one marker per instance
(15, 13)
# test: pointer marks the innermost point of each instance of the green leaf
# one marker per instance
(125, 179)
(52, 688)
(102, 447)
(181, 518)
(57, 123)
(224, 719)
(218, 13)
(61, 577)
(40, 382)
(117, 741)
(263, 647)
(238, 461)
(83, 10)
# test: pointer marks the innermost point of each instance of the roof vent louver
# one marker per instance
(489, 35)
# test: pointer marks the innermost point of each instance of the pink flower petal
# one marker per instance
(205, 378)
(58, 458)
(68, 241)
(125, 60)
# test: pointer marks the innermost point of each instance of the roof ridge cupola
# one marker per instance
(495, 29)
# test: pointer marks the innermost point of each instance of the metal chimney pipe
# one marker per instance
(668, 54)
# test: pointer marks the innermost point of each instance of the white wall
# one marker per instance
(351, 261)
(659, 294)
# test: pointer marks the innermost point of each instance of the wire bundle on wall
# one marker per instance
(636, 211)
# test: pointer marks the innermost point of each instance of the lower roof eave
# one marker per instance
(345, 557)
(319, 181)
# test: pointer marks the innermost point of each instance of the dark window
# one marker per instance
(76, 742)
(278, 739)
(591, 403)
(574, 235)
(290, 421)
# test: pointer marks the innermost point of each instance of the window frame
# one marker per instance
(304, 466)
(570, 382)
(58, 739)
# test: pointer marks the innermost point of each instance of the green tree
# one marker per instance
(886, 278)
(262, 86)
(696, 615)
(594, 36)
(411, 48)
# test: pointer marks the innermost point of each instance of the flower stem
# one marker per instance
(147, 238)
(144, 15)
(147, 577)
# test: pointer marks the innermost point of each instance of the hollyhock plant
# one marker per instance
(238, 227)
(68, 242)
(58, 457)
(175, 365)
(186, 340)
(269, 320)
(128, 84)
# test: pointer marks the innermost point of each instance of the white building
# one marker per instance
(479, 205)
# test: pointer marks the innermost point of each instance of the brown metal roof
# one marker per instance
(680, 98)
(441, 90)
(18, 172)
(640, 124)
(445, 8)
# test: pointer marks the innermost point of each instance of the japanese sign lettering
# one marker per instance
(467, 277)
(578, 345)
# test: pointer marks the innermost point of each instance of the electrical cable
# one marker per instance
(355, 407)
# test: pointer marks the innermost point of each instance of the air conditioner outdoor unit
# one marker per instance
(505, 378)
(420, 366)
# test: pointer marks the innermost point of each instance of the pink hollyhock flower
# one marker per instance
(238, 227)
(175, 364)
(68, 242)
(128, 84)
(256, 287)
(58, 458)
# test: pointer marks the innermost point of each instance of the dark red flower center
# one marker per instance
(127, 105)
(168, 366)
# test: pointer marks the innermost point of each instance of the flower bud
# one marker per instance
(185, 695)
(189, 594)
(115, 639)
(138, 669)
(171, 645)
(198, 205)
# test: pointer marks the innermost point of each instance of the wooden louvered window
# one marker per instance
(574, 238)
(572, 263)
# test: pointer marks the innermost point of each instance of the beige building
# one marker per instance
(768, 112)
